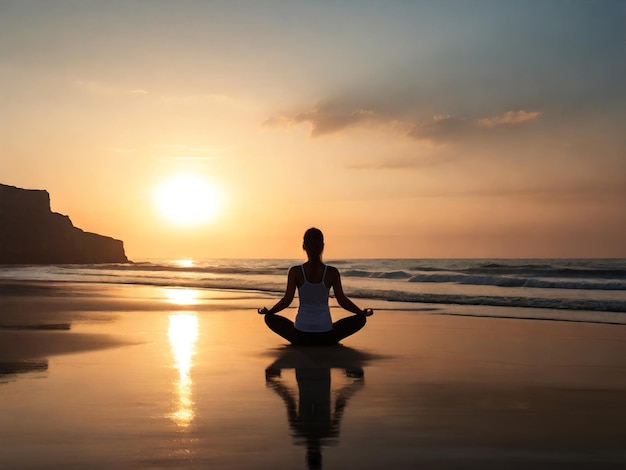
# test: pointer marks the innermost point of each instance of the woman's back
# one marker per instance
(313, 310)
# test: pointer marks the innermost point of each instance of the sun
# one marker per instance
(187, 200)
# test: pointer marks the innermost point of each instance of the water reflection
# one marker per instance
(183, 334)
(313, 418)
(181, 296)
(10, 369)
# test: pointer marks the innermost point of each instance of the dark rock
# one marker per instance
(30, 233)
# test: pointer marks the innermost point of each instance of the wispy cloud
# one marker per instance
(323, 120)
(510, 117)
(441, 128)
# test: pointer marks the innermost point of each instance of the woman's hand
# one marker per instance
(368, 312)
(263, 311)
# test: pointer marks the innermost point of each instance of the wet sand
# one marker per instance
(95, 376)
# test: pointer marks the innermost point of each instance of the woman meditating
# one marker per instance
(314, 326)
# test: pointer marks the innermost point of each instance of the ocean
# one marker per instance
(580, 290)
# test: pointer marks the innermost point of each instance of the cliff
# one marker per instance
(30, 233)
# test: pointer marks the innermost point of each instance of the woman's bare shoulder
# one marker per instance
(295, 272)
(332, 271)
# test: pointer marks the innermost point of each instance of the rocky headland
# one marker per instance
(30, 233)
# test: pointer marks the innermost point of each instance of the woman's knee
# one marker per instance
(280, 325)
(358, 321)
(271, 320)
(349, 325)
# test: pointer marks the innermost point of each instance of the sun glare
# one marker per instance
(187, 200)
(184, 263)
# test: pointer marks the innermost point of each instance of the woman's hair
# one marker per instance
(314, 241)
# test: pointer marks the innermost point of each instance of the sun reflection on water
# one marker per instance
(183, 334)
(184, 263)
(180, 296)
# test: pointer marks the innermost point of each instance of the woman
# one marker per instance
(314, 326)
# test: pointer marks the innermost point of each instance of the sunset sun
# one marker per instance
(187, 200)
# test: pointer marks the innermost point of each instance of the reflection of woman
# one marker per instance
(314, 279)
(311, 418)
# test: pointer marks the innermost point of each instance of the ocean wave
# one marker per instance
(577, 268)
(547, 270)
(356, 273)
(587, 285)
(389, 295)
(464, 279)
(464, 271)
(505, 281)
(377, 274)
(393, 280)
(150, 267)
(495, 301)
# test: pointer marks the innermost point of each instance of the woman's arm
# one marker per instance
(342, 299)
(285, 302)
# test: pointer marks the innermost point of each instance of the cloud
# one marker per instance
(324, 120)
(441, 128)
(510, 117)
(446, 128)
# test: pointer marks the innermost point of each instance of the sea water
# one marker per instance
(589, 290)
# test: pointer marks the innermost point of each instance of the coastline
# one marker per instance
(158, 377)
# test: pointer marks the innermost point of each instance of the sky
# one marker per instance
(404, 129)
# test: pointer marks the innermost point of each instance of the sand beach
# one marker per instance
(97, 376)
(166, 166)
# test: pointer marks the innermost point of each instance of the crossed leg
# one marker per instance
(341, 329)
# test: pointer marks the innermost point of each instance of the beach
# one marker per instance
(169, 169)
(132, 376)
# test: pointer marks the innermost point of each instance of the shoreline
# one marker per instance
(151, 377)
(58, 288)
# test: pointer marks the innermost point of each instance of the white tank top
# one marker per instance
(313, 312)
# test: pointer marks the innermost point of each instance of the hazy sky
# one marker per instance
(469, 128)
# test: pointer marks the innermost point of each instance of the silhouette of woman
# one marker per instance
(313, 420)
(313, 279)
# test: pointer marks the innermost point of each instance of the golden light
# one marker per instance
(184, 263)
(183, 334)
(187, 200)
(181, 296)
